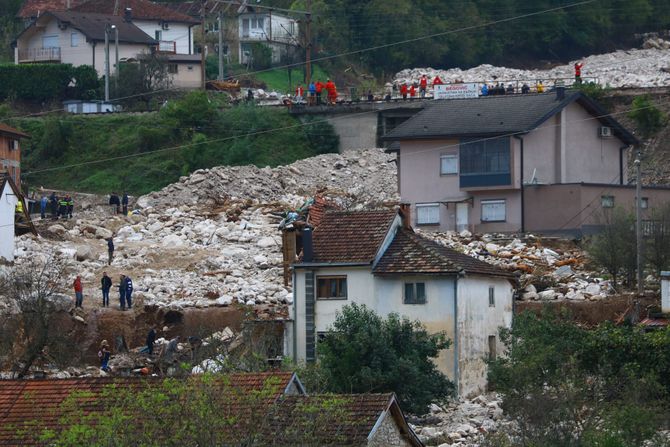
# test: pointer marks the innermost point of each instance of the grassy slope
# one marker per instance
(97, 139)
(277, 79)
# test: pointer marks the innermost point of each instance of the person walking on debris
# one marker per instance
(114, 203)
(54, 205)
(78, 292)
(124, 203)
(129, 291)
(122, 292)
(578, 72)
(103, 355)
(106, 284)
(110, 250)
(70, 205)
(151, 339)
(43, 206)
(62, 208)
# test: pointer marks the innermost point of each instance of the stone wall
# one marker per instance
(388, 434)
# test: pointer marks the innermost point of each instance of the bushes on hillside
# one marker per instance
(47, 82)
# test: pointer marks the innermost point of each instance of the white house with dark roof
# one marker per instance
(550, 163)
(375, 258)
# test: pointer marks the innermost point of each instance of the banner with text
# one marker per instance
(455, 91)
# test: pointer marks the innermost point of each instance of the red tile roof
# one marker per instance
(142, 9)
(34, 8)
(28, 407)
(5, 129)
(348, 236)
(318, 209)
(410, 253)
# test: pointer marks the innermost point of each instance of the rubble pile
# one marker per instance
(211, 239)
(462, 422)
(646, 67)
(545, 274)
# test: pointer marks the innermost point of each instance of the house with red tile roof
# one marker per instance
(270, 408)
(375, 258)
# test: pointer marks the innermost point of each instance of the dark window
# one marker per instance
(492, 297)
(415, 293)
(492, 347)
(607, 201)
(173, 68)
(485, 162)
(331, 287)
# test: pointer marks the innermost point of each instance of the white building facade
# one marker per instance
(8, 200)
(278, 32)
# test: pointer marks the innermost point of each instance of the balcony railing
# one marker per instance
(167, 46)
(51, 54)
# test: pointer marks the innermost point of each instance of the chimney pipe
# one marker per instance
(406, 215)
(307, 245)
(128, 15)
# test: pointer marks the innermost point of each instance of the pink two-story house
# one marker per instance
(546, 163)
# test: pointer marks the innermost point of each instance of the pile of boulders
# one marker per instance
(644, 67)
(463, 422)
(544, 273)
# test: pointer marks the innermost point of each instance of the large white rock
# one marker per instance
(266, 242)
(172, 241)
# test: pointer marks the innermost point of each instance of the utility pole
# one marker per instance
(107, 63)
(638, 219)
(203, 45)
(116, 60)
(221, 69)
(308, 46)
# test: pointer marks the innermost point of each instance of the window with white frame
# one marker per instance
(448, 164)
(74, 39)
(158, 34)
(427, 213)
(607, 201)
(644, 203)
(494, 210)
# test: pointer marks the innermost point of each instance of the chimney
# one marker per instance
(67, 5)
(560, 90)
(307, 245)
(406, 215)
(128, 14)
(665, 292)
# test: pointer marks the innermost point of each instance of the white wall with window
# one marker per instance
(74, 39)
(427, 213)
(494, 210)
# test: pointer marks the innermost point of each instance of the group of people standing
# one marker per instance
(411, 89)
(315, 91)
(125, 287)
(119, 206)
(61, 207)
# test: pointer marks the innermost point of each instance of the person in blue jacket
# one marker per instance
(485, 90)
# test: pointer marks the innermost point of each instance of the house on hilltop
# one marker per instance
(550, 163)
(280, 33)
(270, 408)
(375, 258)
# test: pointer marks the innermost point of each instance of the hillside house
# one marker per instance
(171, 29)
(278, 32)
(282, 416)
(9, 197)
(10, 151)
(550, 163)
(375, 258)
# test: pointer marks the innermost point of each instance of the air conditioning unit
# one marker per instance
(604, 132)
(166, 26)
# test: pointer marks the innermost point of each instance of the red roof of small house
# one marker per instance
(34, 8)
(351, 236)
(141, 10)
(7, 130)
(410, 253)
(28, 407)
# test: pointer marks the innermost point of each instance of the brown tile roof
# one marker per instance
(318, 209)
(348, 419)
(193, 8)
(5, 129)
(34, 8)
(410, 253)
(351, 236)
(31, 406)
(142, 9)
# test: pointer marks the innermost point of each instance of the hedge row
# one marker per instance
(44, 82)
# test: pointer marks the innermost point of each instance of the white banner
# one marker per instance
(454, 91)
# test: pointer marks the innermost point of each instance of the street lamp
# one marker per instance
(116, 51)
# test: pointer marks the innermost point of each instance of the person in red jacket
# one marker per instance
(299, 93)
(412, 92)
(437, 81)
(319, 88)
(423, 84)
(332, 92)
(403, 91)
(578, 73)
(78, 292)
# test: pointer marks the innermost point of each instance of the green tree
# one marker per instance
(366, 353)
(648, 118)
(658, 242)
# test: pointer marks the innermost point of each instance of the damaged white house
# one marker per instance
(9, 197)
(375, 258)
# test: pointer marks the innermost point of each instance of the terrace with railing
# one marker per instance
(50, 54)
